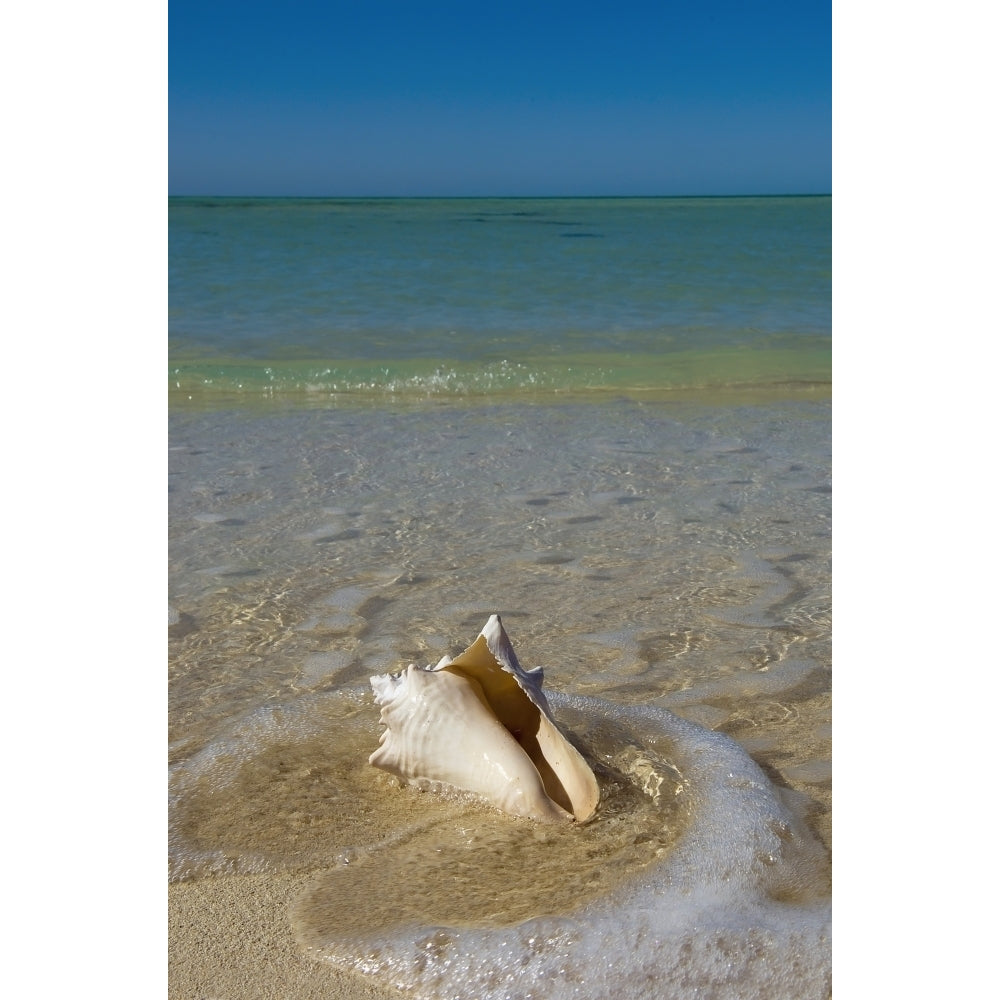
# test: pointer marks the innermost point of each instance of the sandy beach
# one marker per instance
(230, 938)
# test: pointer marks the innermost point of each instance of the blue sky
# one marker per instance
(380, 97)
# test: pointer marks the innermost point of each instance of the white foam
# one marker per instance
(739, 909)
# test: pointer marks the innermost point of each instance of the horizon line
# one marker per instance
(551, 197)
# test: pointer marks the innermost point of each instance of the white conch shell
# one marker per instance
(481, 723)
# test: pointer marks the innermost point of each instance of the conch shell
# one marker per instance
(481, 723)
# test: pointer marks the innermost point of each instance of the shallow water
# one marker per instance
(326, 298)
(669, 566)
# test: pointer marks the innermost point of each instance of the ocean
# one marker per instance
(607, 420)
(324, 300)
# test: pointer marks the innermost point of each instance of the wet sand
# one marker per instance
(231, 939)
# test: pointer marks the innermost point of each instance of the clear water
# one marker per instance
(662, 549)
(478, 295)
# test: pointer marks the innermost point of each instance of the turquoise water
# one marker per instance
(485, 296)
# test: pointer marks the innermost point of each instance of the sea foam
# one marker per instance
(699, 876)
(739, 908)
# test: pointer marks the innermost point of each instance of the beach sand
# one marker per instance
(231, 938)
